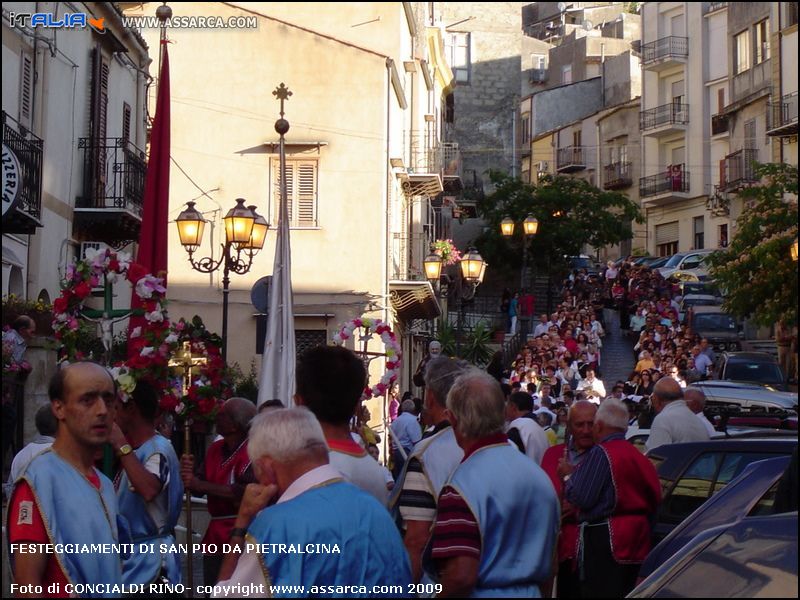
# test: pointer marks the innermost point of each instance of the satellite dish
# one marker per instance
(562, 6)
(587, 25)
(259, 294)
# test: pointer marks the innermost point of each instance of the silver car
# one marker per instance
(750, 397)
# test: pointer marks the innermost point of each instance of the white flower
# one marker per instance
(90, 254)
(171, 338)
(137, 331)
(156, 316)
(147, 351)
(179, 408)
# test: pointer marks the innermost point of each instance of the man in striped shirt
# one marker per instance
(498, 516)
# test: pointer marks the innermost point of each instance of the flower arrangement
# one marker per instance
(110, 266)
(11, 367)
(394, 353)
(447, 250)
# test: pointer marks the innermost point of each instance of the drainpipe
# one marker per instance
(387, 230)
(514, 142)
(603, 73)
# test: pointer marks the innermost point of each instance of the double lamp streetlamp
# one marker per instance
(529, 227)
(245, 233)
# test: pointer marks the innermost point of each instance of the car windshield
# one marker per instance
(701, 301)
(580, 263)
(674, 261)
(764, 372)
(715, 321)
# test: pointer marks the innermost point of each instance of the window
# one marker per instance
(791, 13)
(576, 138)
(723, 236)
(301, 189)
(750, 134)
(458, 51)
(538, 61)
(667, 249)
(693, 488)
(741, 52)
(699, 237)
(525, 126)
(566, 74)
(761, 42)
(734, 464)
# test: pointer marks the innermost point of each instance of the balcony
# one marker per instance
(537, 75)
(428, 166)
(22, 178)
(570, 159)
(782, 117)
(665, 119)
(719, 124)
(665, 187)
(617, 175)
(738, 170)
(757, 78)
(665, 53)
(718, 203)
(110, 209)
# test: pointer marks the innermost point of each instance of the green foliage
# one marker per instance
(756, 269)
(476, 347)
(571, 214)
(446, 336)
(245, 386)
(39, 311)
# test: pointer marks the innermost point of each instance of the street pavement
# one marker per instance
(617, 354)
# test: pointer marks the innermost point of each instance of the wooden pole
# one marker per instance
(187, 441)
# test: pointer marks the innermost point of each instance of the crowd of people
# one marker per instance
(510, 481)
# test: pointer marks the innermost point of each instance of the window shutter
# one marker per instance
(126, 121)
(306, 194)
(289, 172)
(26, 89)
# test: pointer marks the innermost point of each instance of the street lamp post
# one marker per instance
(529, 227)
(245, 233)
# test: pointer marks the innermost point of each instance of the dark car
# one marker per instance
(752, 558)
(752, 367)
(576, 263)
(720, 328)
(692, 472)
(751, 493)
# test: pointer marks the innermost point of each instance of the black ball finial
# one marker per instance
(282, 126)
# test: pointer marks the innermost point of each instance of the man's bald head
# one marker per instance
(240, 411)
(695, 399)
(665, 391)
(580, 423)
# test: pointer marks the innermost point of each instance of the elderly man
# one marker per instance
(330, 381)
(523, 427)
(345, 536)
(430, 463)
(702, 362)
(674, 421)
(497, 520)
(406, 432)
(558, 462)
(149, 487)
(434, 350)
(62, 498)
(542, 327)
(696, 401)
(616, 491)
(222, 478)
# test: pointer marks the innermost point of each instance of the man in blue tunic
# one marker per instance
(149, 488)
(62, 499)
(323, 533)
(498, 516)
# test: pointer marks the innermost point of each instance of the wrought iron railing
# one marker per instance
(113, 174)
(29, 150)
(719, 124)
(570, 157)
(666, 114)
(671, 46)
(739, 168)
(617, 175)
(783, 113)
(428, 155)
(676, 179)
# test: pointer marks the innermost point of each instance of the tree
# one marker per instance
(571, 213)
(756, 270)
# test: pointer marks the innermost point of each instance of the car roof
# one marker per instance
(751, 356)
(674, 456)
(701, 297)
(710, 309)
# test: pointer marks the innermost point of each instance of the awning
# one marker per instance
(414, 300)
(10, 258)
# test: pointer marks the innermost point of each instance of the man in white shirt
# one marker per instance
(542, 327)
(701, 361)
(46, 425)
(405, 433)
(354, 540)
(593, 387)
(523, 428)
(696, 401)
(674, 422)
(330, 381)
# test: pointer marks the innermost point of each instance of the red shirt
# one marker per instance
(25, 525)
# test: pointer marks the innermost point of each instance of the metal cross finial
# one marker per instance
(282, 93)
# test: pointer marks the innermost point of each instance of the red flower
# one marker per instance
(136, 272)
(113, 265)
(206, 405)
(82, 290)
(168, 402)
(61, 304)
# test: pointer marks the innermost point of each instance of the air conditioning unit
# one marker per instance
(543, 166)
(537, 75)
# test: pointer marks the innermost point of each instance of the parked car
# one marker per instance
(751, 367)
(689, 301)
(692, 472)
(720, 328)
(752, 558)
(751, 493)
(699, 287)
(656, 264)
(747, 396)
(576, 263)
(684, 261)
